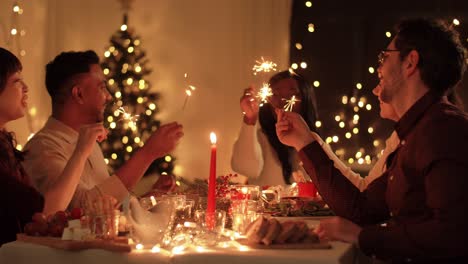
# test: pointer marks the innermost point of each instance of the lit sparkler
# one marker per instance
(288, 107)
(263, 66)
(188, 92)
(264, 93)
(131, 119)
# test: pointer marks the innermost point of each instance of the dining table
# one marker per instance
(20, 252)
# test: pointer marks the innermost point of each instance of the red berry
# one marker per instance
(39, 218)
(36, 229)
(61, 217)
(76, 213)
(56, 230)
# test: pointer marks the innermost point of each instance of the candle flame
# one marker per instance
(213, 138)
(188, 92)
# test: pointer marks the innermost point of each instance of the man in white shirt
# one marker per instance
(79, 94)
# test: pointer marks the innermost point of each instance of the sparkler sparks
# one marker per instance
(264, 93)
(288, 107)
(131, 119)
(263, 66)
(188, 92)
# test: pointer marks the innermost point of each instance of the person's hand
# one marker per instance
(165, 182)
(163, 140)
(249, 106)
(338, 228)
(88, 135)
(292, 130)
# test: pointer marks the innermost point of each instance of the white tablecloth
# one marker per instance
(20, 252)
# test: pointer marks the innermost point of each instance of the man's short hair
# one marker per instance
(62, 71)
(442, 57)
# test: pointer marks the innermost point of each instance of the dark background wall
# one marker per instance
(347, 38)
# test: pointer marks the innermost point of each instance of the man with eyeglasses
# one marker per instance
(417, 211)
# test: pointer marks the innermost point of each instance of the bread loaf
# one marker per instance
(274, 229)
(257, 230)
(288, 228)
(271, 231)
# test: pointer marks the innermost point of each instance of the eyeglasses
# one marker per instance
(382, 55)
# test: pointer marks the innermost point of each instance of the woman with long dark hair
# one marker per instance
(257, 153)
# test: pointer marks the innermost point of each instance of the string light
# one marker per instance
(388, 34)
(358, 154)
(344, 99)
(376, 143)
(299, 46)
(371, 70)
(359, 86)
(316, 84)
(294, 66)
(311, 27)
(308, 3)
(318, 123)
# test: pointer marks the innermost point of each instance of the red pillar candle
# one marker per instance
(211, 206)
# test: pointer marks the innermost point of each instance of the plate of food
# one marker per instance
(270, 233)
(295, 206)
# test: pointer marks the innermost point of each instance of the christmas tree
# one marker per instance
(132, 117)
